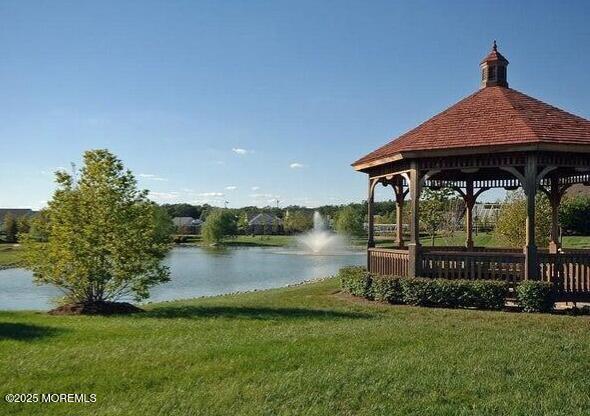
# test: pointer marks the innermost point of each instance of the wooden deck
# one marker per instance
(569, 270)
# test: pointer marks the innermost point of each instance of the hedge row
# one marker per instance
(532, 296)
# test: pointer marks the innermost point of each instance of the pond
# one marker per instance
(195, 272)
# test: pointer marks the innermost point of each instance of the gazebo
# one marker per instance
(497, 137)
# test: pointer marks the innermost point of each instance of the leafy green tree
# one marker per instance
(206, 209)
(243, 223)
(219, 224)
(24, 224)
(164, 226)
(298, 222)
(103, 240)
(511, 225)
(349, 221)
(10, 228)
(433, 209)
(183, 210)
(574, 215)
(39, 227)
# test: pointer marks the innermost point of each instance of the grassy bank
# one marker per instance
(10, 255)
(249, 240)
(302, 350)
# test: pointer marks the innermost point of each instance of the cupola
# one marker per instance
(493, 69)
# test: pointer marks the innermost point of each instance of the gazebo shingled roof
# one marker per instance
(495, 138)
(493, 116)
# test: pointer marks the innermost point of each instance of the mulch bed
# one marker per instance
(96, 308)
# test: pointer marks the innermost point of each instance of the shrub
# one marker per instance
(387, 289)
(356, 281)
(535, 296)
(416, 291)
(454, 293)
(481, 294)
(489, 294)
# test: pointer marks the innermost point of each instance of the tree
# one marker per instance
(243, 223)
(433, 207)
(511, 224)
(297, 222)
(349, 221)
(10, 228)
(24, 224)
(164, 225)
(218, 225)
(574, 214)
(39, 227)
(103, 236)
(183, 210)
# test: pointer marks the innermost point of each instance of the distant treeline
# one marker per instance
(202, 211)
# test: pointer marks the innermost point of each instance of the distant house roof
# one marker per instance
(17, 212)
(265, 219)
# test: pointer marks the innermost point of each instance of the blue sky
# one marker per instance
(254, 101)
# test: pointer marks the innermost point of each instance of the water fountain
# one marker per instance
(320, 240)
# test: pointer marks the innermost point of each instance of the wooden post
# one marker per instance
(414, 245)
(370, 214)
(469, 204)
(555, 199)
(531, 267)
(399, 207)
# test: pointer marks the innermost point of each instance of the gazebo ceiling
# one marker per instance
(495, 118)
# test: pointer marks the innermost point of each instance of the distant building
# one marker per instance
(265, 223)
(187, 225)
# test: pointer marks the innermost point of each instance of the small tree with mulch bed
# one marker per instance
(104, 239)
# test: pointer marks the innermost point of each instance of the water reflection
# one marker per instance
(198, 272)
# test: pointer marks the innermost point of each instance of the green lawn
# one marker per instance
(305, 350)
(261, 240)
(9, 255)
(481, 240)
(250, 240)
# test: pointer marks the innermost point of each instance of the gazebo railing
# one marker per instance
(386, 261)
(443, 264)
(471, 250)
(569, 271)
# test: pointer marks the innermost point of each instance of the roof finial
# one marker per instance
(495, 47)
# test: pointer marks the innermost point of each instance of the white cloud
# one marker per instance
(296, 165)
(264, 196)
(255, 188)
(210, 194)
(164, 196)
(231, 188)
(151, 176)
(241, 151)
(41, 205)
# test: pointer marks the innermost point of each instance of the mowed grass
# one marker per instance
(482, 239)
(249, 240)
(306, 350)
(10, 255)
